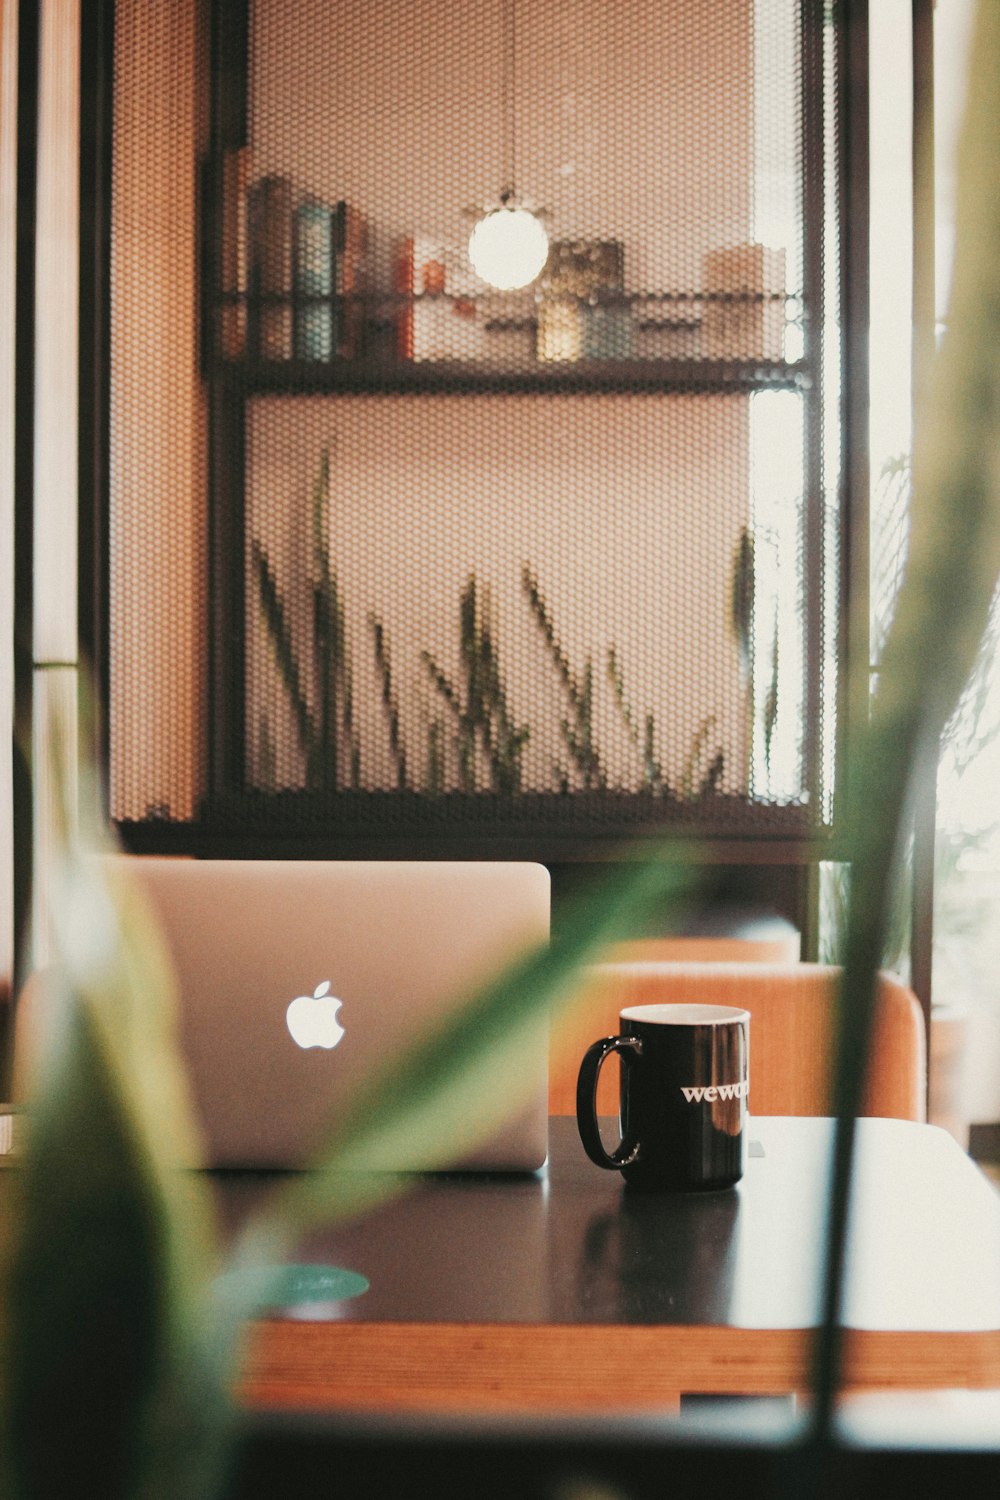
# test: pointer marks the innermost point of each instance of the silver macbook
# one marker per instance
(297, 978)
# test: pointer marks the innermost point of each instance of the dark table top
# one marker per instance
(570, 1245)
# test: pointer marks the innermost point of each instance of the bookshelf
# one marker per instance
(604, 431)
(373, 376)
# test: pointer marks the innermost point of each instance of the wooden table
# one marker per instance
(563, 1291)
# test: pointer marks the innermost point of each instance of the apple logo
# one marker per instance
(312, 1019)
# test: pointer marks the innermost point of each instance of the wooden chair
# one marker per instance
(782, 949)
(792, 1018)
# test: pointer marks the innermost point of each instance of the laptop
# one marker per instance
(297, 978)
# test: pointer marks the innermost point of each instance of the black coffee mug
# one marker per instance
(684, 1084)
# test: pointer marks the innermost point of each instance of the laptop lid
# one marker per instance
(297, 978)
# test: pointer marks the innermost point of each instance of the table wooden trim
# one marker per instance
(521, 1367)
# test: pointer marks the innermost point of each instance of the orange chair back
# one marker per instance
(783, 949)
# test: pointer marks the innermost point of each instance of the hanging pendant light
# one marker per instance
(508, 246)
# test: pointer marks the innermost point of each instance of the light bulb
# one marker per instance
(508, 248)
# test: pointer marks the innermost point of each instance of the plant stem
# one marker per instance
(284, 650)
(578, 735)
(389, 702)
(652, 772)
(941, 614)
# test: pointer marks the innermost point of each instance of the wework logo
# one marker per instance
(716, 1091)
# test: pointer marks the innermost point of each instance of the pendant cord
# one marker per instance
(509, 100)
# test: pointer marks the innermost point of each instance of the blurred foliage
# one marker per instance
(122, 1308)
(120, 1330)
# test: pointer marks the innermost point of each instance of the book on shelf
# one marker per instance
(560, 330)
(439, 315)
(271, 205)
(582, 311)
(744, 310)
(233, 261)
(581, 268)
(350, 262)
(315, 321)
(607, 331)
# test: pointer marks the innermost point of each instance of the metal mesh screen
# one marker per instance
(158, 474)
(412, 556)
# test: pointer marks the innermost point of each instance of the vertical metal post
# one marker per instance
(855, 266)
(812, 22)
(230, 24)
(55, 464)
(925, 785)
(24, 447)
(93, 524)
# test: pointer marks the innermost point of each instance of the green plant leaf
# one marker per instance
(941, 614)
(319, 508)
(578, 739)
(690, 788)
(284, 650)
(390, 705)
(116, 1375)
(112, 1390)
(741, 601)
(652, 771)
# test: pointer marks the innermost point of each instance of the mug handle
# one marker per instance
(629, 1048)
